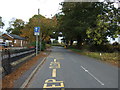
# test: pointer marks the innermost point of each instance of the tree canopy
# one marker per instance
(47, 26)
(88, 22)
(15, 26)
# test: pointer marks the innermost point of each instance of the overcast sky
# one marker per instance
(25, 9)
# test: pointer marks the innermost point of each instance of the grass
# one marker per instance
(108, 57)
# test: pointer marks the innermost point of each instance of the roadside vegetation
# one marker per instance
(90, 24)
(23, 29)
(111, 57)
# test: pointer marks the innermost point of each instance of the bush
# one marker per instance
(43, 46)
(104, 48)
(32, 44)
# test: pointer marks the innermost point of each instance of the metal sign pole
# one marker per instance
(40, 41)
(36, 45)
(36, 33)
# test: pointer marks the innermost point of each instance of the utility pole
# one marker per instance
(40, 31)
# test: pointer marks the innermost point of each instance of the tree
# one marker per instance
(16, 26)
(46, 27)
(77, 17)
(1, 23)
(107, 25)
(89, 22)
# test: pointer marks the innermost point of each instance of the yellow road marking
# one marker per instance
(59, 65)
(54, 60)
(53, 83)
(54, 73)
(54, 65)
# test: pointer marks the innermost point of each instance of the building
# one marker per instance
(14, 40)
(1, 41)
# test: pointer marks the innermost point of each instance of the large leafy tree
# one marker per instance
(107, 25)
(77, 17)
(46, 27)
(15, 26)
(89, 22)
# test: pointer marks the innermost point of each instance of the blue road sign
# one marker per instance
(36, 29)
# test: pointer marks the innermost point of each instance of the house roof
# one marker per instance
(15, 36)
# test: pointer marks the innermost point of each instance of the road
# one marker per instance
(66, 69)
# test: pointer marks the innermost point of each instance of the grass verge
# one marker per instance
(111, 58)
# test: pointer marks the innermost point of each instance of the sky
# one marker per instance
(25, 9)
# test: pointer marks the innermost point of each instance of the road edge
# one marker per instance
(32, 74)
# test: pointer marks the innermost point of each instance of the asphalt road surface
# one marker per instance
(66, 69)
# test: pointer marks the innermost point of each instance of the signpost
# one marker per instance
(36, 32)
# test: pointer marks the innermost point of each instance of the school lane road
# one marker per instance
(66, 69)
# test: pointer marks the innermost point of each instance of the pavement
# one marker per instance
(66, 69)
(21, 82)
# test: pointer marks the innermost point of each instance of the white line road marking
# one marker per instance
(92, 75)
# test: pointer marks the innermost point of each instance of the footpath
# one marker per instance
(22, 75)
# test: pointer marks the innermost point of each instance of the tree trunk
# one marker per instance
(79, 42)
(67, 42)
(71, 42)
